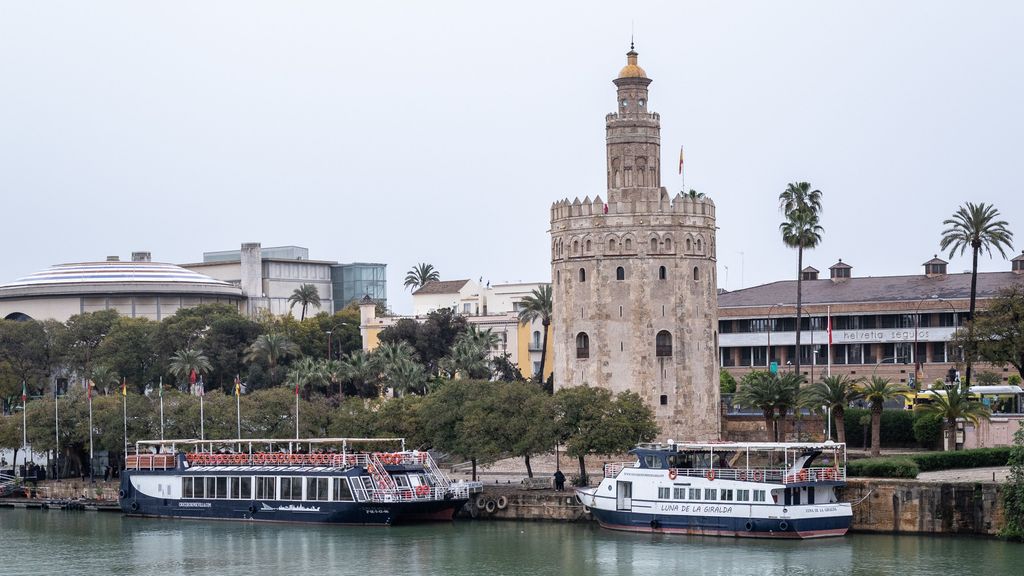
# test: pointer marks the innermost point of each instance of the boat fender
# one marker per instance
(655, 524)
(783, 525)
(586, 509)
(481, 502)
(491, 506)
(135, 507)
(121, 493)
(252, 508)
(502, 502)
(749, 525)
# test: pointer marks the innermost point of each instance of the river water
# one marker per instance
(34, 542)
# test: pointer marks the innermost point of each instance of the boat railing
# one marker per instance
(768, 475)
(330, 460)
(161, 461)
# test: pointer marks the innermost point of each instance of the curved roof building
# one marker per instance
(137, 289)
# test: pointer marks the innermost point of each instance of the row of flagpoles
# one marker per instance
(197, 389)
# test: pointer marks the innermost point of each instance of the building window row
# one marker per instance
(864, 322)
(842, 354)
(663, 245)
(711, 494)
(662, 345)
(620, 274)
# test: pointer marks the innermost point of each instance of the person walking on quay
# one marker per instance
(559, 481)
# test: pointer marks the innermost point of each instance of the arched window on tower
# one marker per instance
(620, 273)
(611, 244)
(663, 344)
(629, 244)
(688, 245)
(662, 273)
(583, 274)
(698, 245)
(582, 345)
(558, 277)
(575, 247)
(696, 274)
(668, 244)
(654, 245)
(588, 246)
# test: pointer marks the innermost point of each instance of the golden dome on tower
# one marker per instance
(631, 69)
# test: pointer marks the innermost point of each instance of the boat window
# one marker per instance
(221, 487)
(743, 495)
(186, 487)
(679, 493)
(401, 480)
(679, 461)
(758, 495)
(199, 490)
(359, 488)
(291, 488)
(342, 492)
(316, 488)
(241, 487)
(694, 494)
(652, 461)
(366, 489)
(711, 494)
(726, 494)
(265, 488)
(663, 493)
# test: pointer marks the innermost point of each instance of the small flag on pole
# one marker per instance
(201, 388)
(24, 392)
(238, 386)
(296, 389)
(124, 386)
(680, 160)
(830, 330)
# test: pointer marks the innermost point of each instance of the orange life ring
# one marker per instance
(672, 473)
(710, 475)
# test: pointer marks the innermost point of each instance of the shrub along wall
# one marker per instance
(909, 466)
(897, 428)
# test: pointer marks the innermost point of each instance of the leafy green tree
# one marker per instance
(519, 417)
(592, 421)
(877, 391)
(271, 350)
(504, 369)
(185, 362)
(420, 274)
(129, 350)
(837, 393)
(23, 358)
(1013, 490)
(468, 358)
(307, 295)
(801, 207)
(83, 336)
(432, 340)
(999, 330)
(953, 404)
(726, 382)
(440, 417)
(975, 226)
(538, 305)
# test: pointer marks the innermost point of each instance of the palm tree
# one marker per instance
(395, 361)
(362, 372)
(801, 207)
(420, 274)
(836, 393)
(407, 377)
(271, 349)
(954, 404)
(693, 194)
(185, 362)
(485, 339)
(877, 391)
(538, 305)
(308, 375)
(104, 377)
(467, 357)
(975, 226)
(306, 295)
(772, 394)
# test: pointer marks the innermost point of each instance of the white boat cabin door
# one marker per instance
(624, 495)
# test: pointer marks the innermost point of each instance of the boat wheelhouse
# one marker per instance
(333, 480)
(758, 489)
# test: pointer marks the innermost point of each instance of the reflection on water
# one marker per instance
(34, 542)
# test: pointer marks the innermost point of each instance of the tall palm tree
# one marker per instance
(420, 274)
(185, 362)
(103, 377)
(955, 403)
(485, 339)
(308, 375)
(468, 358)
(271, 349)
(975, 226)
(307, 295)
(836, 393)
(395, 360)
(538, 305)
(801, 207)
(877, 391)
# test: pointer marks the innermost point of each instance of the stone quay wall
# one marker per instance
(912, 506)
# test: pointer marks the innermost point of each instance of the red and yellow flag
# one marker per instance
(124, 386)
(680, 160)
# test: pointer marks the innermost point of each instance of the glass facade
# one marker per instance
(351, 282)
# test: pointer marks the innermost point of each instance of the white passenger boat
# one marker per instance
(758, 490)
(333, 480)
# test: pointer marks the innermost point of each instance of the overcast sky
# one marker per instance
(441, 132)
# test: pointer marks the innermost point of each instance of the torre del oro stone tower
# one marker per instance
(634, 281)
